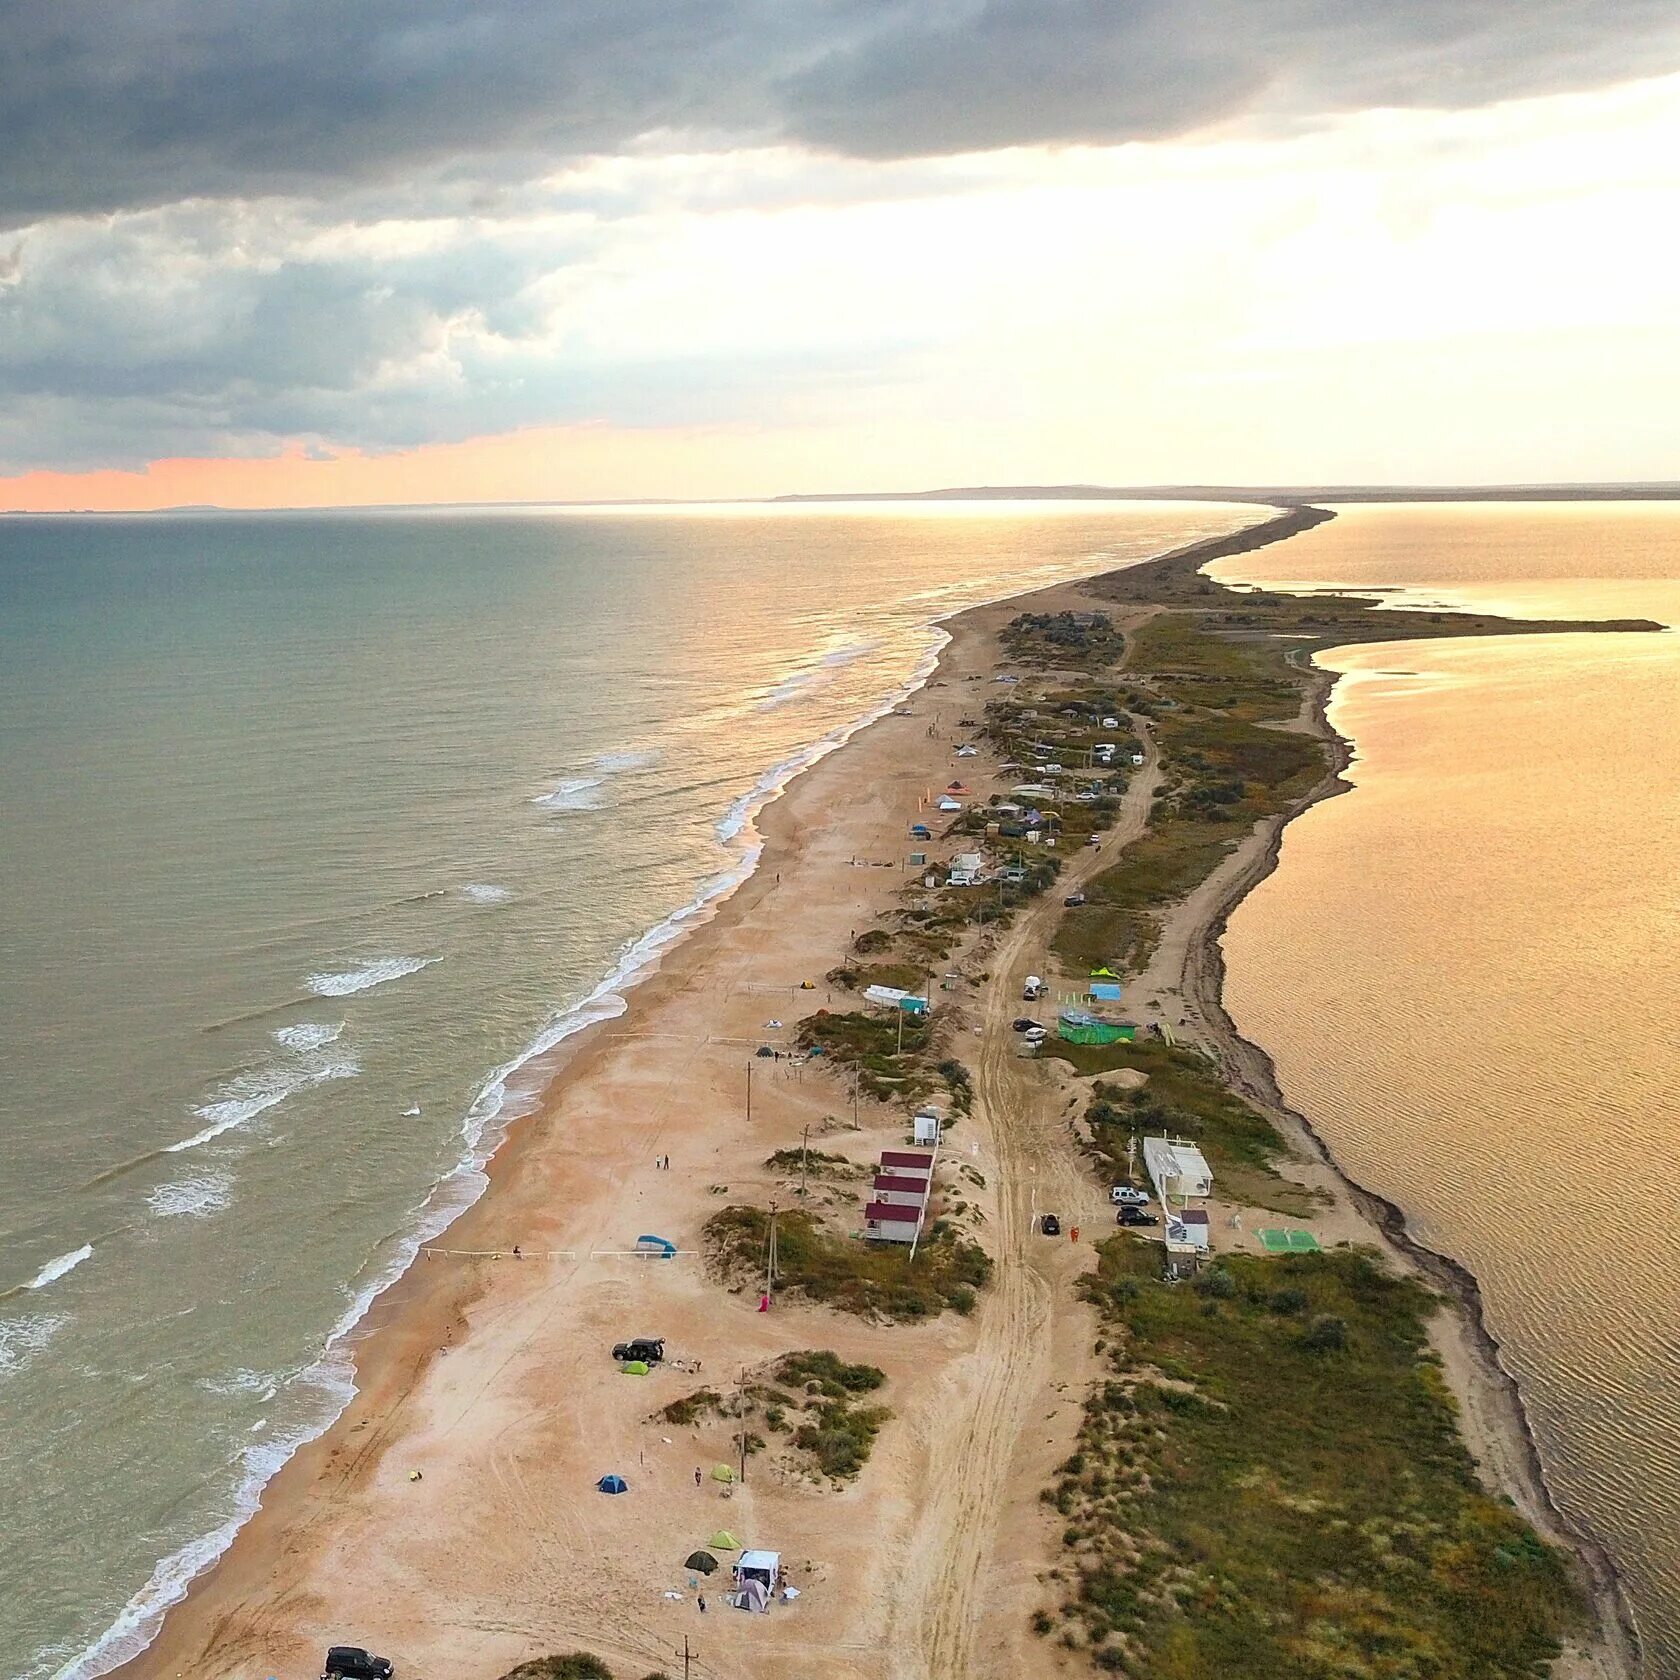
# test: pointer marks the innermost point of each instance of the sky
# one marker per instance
(305, 253)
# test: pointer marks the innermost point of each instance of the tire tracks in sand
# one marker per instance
(934, 1618)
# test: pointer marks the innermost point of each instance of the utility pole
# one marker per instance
(901, 1029)
(749, 1093)
(687, 1656)
(857, 1080)
(804, 1157)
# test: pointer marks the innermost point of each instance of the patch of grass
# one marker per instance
(875, 1280)
(580, 1665)
(1185, 1097)
(688, 1411)
(838, 1434)
(888, 1059)
(1259, 1490)
(814, 1161)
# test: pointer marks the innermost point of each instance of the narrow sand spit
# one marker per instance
(492, 1377)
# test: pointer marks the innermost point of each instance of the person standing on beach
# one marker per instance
(697, 1475)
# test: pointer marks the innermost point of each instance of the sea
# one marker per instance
(1468, 969)
(317, 830)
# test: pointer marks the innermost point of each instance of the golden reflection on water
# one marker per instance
(1468, 971)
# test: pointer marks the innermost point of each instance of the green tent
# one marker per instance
(722, 1473)
(636, 1368)
(724, 1541)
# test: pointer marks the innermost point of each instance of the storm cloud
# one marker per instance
(107, 104)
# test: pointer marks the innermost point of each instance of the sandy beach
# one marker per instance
(450, 1519)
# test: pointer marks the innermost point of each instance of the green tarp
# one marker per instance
(1275, 1241)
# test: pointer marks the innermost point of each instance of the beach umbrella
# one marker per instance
(613, 1484)
(704, 1562)
(724, 1541)
(636, 1368)
(722, 1473)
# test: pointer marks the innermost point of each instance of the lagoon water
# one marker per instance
(1468, 969)
(315, 828)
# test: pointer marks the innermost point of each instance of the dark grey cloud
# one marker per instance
(115, 103)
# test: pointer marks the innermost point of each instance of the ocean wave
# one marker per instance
(22, 1338)
(579, 793)
(482, 892)
(814, 674)
(264, 1384)
(252, 1094)
(307, 1035)
(55, 1269)
(613, 763)
(370, 974)
(194, 1197)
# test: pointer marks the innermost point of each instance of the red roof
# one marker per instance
(906, 1158)
(907, 1186)
(881, 1213)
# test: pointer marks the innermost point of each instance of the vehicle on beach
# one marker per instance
(649, 1349)
(351, 1662)
(1135, 1216)
(1033, 989)
(1049, 1224)
(1023, 1023)
(1035, 1035)
(1128, 1195)
(1094, 842)
(1074, 900)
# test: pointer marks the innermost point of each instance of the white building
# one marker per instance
(1176, 1169)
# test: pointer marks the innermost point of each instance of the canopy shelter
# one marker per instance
(1105, 991)
(702, 1563)
(661, 1248)
(613, 1484)
(1104, 973)
(1079, 1026)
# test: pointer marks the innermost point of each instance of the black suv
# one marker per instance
(1049, 1224)
(649, 1349)
(351, 1662)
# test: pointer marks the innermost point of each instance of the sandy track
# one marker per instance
(937, 1617)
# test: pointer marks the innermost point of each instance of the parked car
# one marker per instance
(1128, 1196)
(1094, 842)
(649, 1349)
(1074, 900)
(1035, 1035)
(1024, 1023)
(351, 1662)
(1135, 1216)
(1049, 1224)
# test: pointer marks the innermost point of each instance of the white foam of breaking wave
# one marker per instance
(263, 1384)
(22, 1338)
(613, 763)
(196, 1197)
(814, 674)
(577, 793)
(251, 1094)
(483, 892)
(55, 1269)
(370, 974)
(307, 1035)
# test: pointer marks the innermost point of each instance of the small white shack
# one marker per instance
(758, 1576)
(883, 1222)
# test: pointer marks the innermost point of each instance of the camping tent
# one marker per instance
(722, 1473)
(613, 1484)
(724, 1541)
(701, 1562)
(636, 1368)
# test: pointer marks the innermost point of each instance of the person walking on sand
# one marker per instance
(697, 1475)
(702, 1604)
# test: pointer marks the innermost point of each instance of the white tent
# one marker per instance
(758, 1575)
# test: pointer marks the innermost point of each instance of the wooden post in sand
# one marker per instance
(749, 1093)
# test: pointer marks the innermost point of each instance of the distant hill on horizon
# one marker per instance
(1279, 495)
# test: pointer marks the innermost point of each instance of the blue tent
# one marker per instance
(663, 1247)
(613, 1484)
